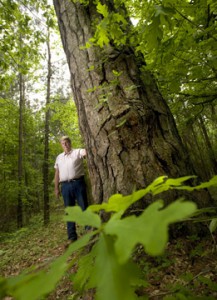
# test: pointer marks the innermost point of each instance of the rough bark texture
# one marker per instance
(128, 129)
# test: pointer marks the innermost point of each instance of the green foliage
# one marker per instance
(140, 230)
(117, 280)
(114, 243)
(83, 218)
(9, 112)
(21, 39)
(64, 120)
(184, 290)
(102, 9)
(212, 285)
(179, 44)
(213, 225)
(111, 27)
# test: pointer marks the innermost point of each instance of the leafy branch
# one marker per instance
(191, 22)
(113, 245)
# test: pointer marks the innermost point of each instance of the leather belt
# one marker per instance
(71, 180)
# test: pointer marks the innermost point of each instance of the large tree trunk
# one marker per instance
(128, 129)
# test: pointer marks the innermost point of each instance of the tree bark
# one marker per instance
(128, 129)
(209, 146)
(20, 154)
(46, 140)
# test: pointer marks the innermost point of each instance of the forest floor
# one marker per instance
(187, 270)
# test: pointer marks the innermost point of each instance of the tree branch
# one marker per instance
(194, 24)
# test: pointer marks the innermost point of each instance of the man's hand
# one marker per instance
(83, 153)
(57, 192)
(56, 182)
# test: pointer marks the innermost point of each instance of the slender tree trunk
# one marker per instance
(204, 169)
(20, 154)
(209, 146)
(190, 140)
(214, 123)
(46, 140)
(129, 131)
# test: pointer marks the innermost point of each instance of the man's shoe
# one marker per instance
(88, 228)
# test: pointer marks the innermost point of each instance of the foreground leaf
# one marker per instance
(213, 225)
(149, 229)
(86, 217)
(118, 202)
(204, 185)
(113, 280)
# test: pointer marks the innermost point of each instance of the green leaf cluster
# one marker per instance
(109, 267)
(110, 26)
(186, 48)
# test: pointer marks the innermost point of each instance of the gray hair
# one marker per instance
(65, 138)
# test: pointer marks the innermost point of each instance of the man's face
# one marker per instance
(66, 146)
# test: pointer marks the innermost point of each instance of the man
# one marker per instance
(69, 174)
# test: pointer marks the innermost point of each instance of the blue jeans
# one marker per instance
(72, 191)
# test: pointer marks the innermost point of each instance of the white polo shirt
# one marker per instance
(70, 165)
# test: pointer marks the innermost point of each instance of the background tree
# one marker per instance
(46, 138)
(20, 153)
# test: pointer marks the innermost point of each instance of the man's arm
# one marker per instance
(56, 182)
